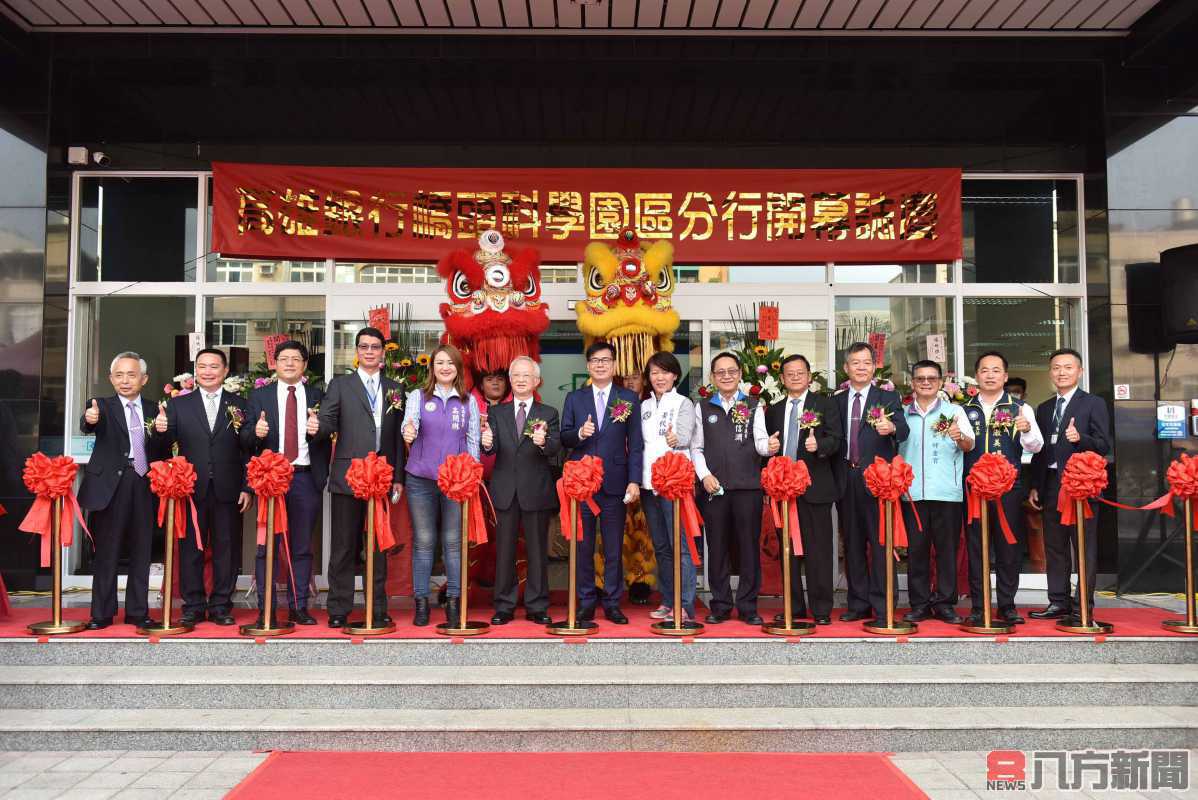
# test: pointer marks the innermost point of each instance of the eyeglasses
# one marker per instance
(726, 373)
(369, 347)
(600, 361)
(926, 379)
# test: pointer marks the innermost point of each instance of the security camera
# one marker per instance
(101, 158)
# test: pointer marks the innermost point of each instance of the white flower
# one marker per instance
(816, 386)
(744, 387)
(233, 384)
(181, 377)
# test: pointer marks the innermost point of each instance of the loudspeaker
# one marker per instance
(1145, 331)
(1179, 294)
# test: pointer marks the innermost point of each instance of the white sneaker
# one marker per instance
(661, 612)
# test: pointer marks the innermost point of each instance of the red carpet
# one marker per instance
(577, 776)
(1127, 622)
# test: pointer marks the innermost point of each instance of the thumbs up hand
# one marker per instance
(1021, 423)
(811, 444)
(92, 415)
(775, 444)
(588, 428)
(409, 433)
(160, 420)
(487, 437)
(313, 422)
(671, 437)
(1071, 432)
(954, 432)
(262, 428)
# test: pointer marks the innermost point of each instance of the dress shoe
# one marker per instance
(823, 619)
(94, 624)
(539, 617)
(420, 617)
(222, 618)
(191, 618)
(382, 619)
(141, 622)
(586, 613)
(502, 618)
(715, 618)
(917, 615)
(300, 616)
(260, 622)
(752, 619)
(853, 616)
(1053, 611)
(615, 615)
(949, 616)
(453, 610)
(336, 620)
(1011, 616)
(975, 620)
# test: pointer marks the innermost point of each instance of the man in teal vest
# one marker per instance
(940, 435)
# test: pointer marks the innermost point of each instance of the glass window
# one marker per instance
(387, 273)
(233, 270)
(906, 328)
(893, 273)
(808, 337)
(424, 337)
(559, 273)
(240, 326)
(137, 229)
(1026, 331)
(803, 273)
(1020, 231)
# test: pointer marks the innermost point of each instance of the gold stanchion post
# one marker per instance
(680, 626)
(1088, 625)
(464, 626)
(572, 626)
(167, 627)
(987, 626)
(55, 626)
(1190, 623)
(367, 627)
(892, 627)
(790, 626)
(269, 627)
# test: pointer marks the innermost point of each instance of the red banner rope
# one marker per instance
(461, 478)
(370, 478)
(889, 481)
(784, 478)
(269, 474)
(673, 477)
(175, 479)
(991, 478)
(49, 479)
(580, 480)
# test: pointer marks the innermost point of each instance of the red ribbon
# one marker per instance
(461, 479)
(889, 481)
(989, 479)
(269, 474)
(784, 479)
(49, 479)
(371, 478)
(581, 479)
(673, 477)
(175, 479)
(1084, 477)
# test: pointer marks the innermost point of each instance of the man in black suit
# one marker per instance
(365, 409)
(522, 490)
(816, 443)
(866, 437)
(117, 493)
(282, 417)
(206, 425)
(1074, 421)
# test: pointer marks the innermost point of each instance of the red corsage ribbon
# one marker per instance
(673, 477)
(370, 478)
(580, 480)
(1084, 477)
(175, 479)
(784, 478)
(989, 479)
(461, 479)
(889, 481)
(49, 479)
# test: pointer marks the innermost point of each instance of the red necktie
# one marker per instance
(290, 429)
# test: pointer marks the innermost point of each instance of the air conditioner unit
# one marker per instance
(263, 324)
(266, 269)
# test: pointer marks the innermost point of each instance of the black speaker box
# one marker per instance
(1145, 331)
(1179, 294)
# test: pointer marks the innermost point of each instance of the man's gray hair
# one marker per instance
(536, 368)
(141, 362)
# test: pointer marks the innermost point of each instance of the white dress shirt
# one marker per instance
(761, 439)
(301, 421)
(1052, 435)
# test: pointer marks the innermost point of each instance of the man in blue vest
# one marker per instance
(939, 435)
(1001, 424)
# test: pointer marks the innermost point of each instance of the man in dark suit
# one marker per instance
(117, 493)
(522, 490)
(604, 420)
(866, 437)
(816, 443)
(365, 409)
(206, 425)
(1073, 421)
(282, 417)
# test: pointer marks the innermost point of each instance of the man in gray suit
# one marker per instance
(364, 408)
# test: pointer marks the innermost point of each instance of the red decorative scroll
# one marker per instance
(581, 479)
(673, 477)
(784, 478)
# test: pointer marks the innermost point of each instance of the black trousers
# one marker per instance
(815, 523)
(859, 530)
(612, 514)
(303, 511)
(129, 518)
(220, 529)
(348, 537)
(941, 533)
(1005, 559)
(536, 551)
(1060, 550)
(733, 520)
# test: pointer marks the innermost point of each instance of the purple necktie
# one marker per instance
(855, 430)
(137, 441)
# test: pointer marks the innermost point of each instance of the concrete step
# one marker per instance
(536, 729)
(272, 687)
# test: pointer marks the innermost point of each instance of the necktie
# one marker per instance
(1056, 414)
(290, 427)
(210, 408)
(855, 430)
(600, 409)
(792, 436)
(137, 440)
(521, 419)
(374, 400)
(371, 394)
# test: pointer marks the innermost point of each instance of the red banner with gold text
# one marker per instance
(713, 216)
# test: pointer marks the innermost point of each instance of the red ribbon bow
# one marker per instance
(370, 478)
(49, 479)
(175, 479)
(269, 474)
(889, 481)
(580, 480)
(1084, 477)
(991, 477)
(784, 478)
(673, 477)
(461, 479)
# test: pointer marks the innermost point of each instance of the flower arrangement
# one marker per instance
(236, 417)
(1002, 420)
(534, 426)
(942, 424)
(394, 401)
(740, 413)
(620, 410)
(810, 420)
(875, 415)
(958, 390)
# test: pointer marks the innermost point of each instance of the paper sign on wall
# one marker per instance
(936, 348)
(195, 343)
(1171, 421)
